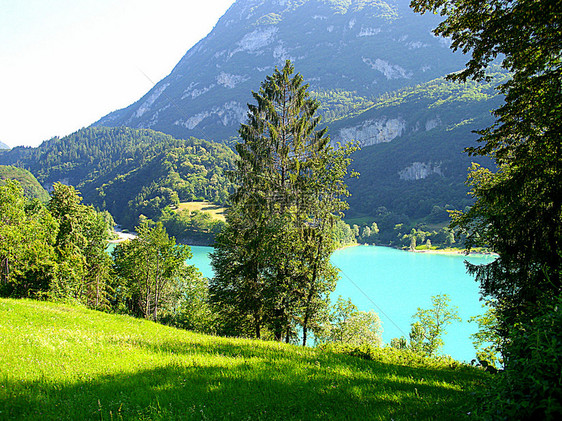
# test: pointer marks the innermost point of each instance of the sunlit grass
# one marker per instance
(63, 362)
(216, 211)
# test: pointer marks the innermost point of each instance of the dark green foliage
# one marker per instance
(130, 172)
(31, 187)
(532, 386)
(518, 209)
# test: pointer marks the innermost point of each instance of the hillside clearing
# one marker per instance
(216, 211)
(64, 362)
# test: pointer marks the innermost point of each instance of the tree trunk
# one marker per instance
(157, 292)
(147, 292)
(257, 325)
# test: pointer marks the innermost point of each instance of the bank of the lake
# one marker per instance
(394, 283)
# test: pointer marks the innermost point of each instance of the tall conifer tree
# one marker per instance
(272, 260)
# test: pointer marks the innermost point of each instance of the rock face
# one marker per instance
(366, 47)
(420, 170)
(372, 132)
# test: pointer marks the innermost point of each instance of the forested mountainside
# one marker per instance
(31, 187)
(412, 163)
(130, 172)
(350, 51)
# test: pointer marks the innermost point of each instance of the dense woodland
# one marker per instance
(130, 172)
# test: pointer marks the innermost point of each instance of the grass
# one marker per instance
(215, 211)
(68, 363)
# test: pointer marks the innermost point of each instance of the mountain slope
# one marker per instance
(3, 146)
(130, 172)
(412, 162)
(31, 187)
(360, 48)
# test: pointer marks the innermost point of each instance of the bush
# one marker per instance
(531, 386)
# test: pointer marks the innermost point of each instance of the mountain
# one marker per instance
(350, 51)
(375, 67)
(3, 146)
(130, 172)
(31, 187)
(412, 161)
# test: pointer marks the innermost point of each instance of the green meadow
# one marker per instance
(70, 363)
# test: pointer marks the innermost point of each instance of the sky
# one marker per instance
(64, 64)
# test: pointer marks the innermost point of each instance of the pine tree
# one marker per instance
(272, 260)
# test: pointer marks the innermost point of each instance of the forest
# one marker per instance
(130, 172)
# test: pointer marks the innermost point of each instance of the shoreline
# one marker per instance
(445, 252)
(123, 236)
(453, 252)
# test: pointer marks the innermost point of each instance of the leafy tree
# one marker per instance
(518, 209)
(399, 343)
(27, 238)
(427, 332)
(347, 324)
(272, 259)
(83, 271)
(487, 341)
(152, 268)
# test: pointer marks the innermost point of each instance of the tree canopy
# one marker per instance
(518, 209)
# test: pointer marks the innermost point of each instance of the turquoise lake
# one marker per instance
(395, 283)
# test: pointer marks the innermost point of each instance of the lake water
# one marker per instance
(395, 283)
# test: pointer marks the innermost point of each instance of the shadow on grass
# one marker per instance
(232, 381)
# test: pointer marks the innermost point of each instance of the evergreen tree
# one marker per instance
(272, 259)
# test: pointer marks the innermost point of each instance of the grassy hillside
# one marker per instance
(63, 362)
(31, 186)
(216, 212)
